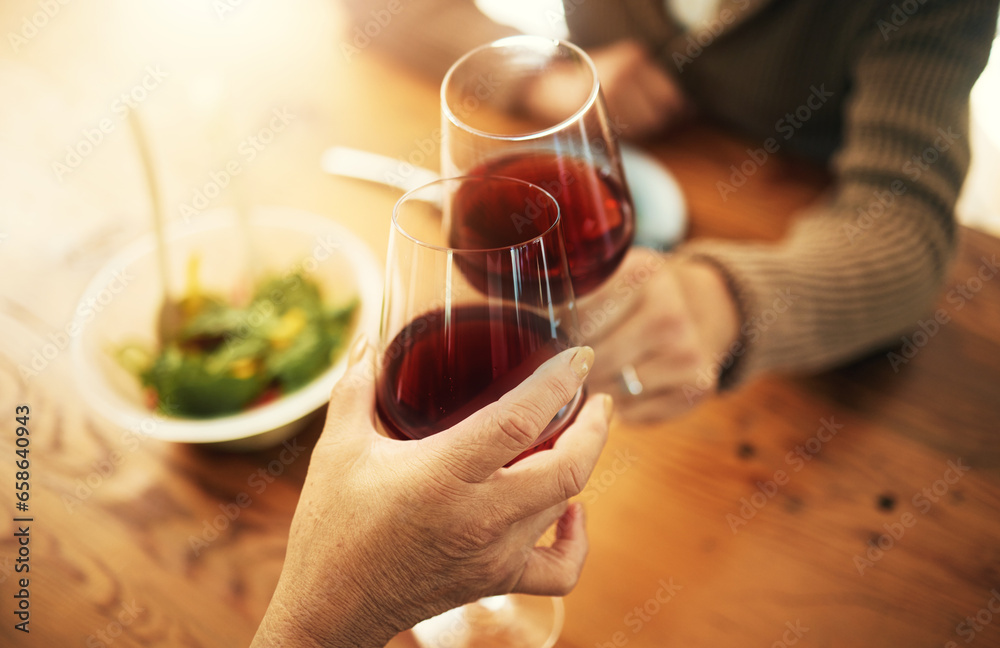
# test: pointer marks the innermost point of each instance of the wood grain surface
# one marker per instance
(808, 511)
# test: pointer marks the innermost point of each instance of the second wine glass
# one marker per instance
(531, 108)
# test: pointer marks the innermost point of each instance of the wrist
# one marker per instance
(713, 306)
(296, 619)
(279, 627)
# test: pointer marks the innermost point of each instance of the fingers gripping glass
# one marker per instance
(477, 296)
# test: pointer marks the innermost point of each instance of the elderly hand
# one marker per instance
(672, 321)
(642, 98)
(388, 533)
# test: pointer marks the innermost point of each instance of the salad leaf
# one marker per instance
(194, 389)
(226, 357)
(306, 357)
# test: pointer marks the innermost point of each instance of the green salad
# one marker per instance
(226, 358)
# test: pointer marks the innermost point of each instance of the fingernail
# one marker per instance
(609, 407)
(582, 361)
(358, 349)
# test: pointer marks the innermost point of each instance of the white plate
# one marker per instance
(660, 209)
(111, 314)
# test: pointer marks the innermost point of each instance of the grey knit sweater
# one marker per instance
(878, 90)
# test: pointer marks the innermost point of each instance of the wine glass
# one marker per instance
(531, 108)
(477, 296)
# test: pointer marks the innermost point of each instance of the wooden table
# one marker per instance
(680, 553)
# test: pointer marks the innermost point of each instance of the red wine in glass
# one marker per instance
(485, 218)
(442, 367)
(475, 302)
(597, 220)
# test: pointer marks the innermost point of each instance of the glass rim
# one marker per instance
(595, 89)
(409, 195)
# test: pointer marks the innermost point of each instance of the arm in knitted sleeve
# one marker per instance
(428, 35)
(854, 274)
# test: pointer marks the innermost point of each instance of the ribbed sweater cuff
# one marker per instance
(755, 279)
(826, 294)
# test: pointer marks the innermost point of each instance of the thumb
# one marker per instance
(353, 397)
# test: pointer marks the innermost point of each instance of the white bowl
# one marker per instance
(121, 304)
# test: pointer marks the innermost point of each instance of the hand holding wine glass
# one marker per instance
(387, 533)
(642, 97)
(673, 320)
(478, 296)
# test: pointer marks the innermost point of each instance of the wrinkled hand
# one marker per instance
(641, 96)
(388, 532)
(672, 320)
